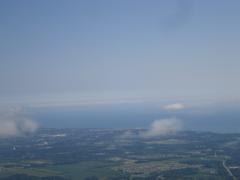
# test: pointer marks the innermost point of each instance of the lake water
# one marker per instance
(219, 119)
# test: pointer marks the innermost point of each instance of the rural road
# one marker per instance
(228, 170)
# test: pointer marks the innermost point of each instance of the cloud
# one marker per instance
(181, 15)
(14, 123)
(163, 127)
(175, 106)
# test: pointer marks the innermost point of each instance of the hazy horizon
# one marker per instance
(104, 50)
(132, 63)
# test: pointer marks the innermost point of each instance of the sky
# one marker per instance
(113, 50)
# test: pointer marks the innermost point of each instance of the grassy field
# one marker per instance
(102, 170)
(40, 172)
(107, 170)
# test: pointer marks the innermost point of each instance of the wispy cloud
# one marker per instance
(175, 106)
(163, 127)
(181, 15)
(13, 122)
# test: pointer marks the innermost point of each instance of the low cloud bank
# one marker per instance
(163, 127)
(175, 106)
(13, 122)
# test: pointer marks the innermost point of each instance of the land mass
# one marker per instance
(119, 154)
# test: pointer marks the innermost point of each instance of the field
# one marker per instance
(110, 154)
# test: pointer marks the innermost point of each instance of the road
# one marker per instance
(228, 170)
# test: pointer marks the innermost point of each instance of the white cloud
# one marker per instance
(14, 123)
(175, 106)
(163, 126)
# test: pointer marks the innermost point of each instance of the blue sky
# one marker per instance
(104, 50)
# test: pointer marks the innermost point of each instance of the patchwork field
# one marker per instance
(109, 154)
